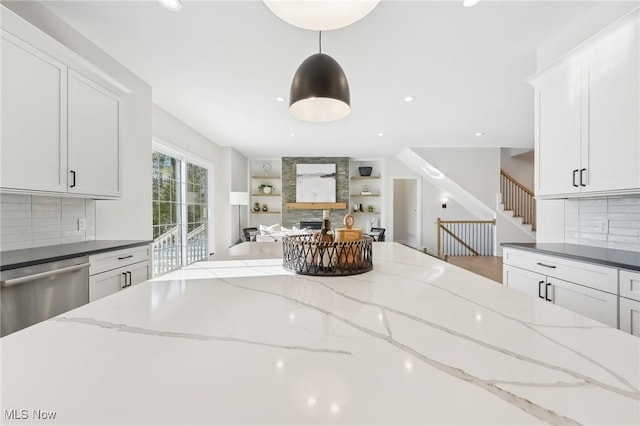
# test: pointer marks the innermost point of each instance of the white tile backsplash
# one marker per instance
(36, 220)
(620, 215)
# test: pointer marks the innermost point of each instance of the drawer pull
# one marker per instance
(546, 266)
(125, 257)
(574, 178)
(540, 289)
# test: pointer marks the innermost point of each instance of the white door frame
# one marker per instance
(418, 195)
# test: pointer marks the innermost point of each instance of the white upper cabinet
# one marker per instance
(34, 116)
(60, 129)
(93, 138)
(587, 127)
(558, 141)
(614, 119)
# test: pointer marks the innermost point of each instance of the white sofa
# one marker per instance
(276, 232)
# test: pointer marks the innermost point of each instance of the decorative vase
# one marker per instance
(264, 208)
(370, 208)
(256, 207)
(267, 189)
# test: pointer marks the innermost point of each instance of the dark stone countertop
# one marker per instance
(608, 257)
(34, 256)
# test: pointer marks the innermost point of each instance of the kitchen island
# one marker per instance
(238, 340)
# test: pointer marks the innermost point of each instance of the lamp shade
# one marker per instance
(319, 90)
(239, 198)
(321, 15)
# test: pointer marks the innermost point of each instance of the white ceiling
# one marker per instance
(219, 65)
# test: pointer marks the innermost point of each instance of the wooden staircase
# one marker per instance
(518, 200)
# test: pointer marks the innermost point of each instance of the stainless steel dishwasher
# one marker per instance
(35, 293)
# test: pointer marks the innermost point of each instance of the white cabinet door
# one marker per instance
(139, 272)
(106, 283)
(558, 144)
(93, 138)
(34, 140)
(630, 284)
(630, 316)
(594, 304)
(614, 120)
(525, 281)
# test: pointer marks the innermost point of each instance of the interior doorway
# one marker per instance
(406, 211)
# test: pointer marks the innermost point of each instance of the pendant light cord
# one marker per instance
(320, 41)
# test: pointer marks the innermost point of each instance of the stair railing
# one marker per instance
(465, 237)
(518, 199)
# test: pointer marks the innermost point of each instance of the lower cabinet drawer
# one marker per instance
(630, 284)
(118, 258)
(587, 274)
(106, 283)
(630, 316)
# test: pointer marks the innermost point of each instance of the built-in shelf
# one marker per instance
(365, 195)
(265, 177)
(316, 206)
(267, 212)
(365, 177)
(357, 213)
(266, 195)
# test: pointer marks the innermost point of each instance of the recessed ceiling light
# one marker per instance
(292, 134)
(380, 134)
(409, 99)
(469, 3)
(280, 99)
(174, 5)
(479, 134)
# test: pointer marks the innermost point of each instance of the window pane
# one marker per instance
(196, 204)
(174, 211)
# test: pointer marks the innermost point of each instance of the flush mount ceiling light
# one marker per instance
(174, 5)
(408, 99)
(470, 3)
(321, 15)
(320, 90)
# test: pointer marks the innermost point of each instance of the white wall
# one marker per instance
(477, 170)
(550, 221)
(239, 179)
(228, 172)
(130, 216)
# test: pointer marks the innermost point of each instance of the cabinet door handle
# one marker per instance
(546, 266)
(581, 176)
(574, 178)
(73, 173)
(125, 280)
(129, 273)
(540, 289)
(125, 257)
(546, 293)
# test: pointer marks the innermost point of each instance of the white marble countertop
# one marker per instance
(241, 341)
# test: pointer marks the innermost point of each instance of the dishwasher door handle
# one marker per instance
(20, 280)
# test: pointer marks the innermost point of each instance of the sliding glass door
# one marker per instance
(179, 212)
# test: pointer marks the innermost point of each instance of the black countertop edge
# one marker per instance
(34, 256)
(622, 259)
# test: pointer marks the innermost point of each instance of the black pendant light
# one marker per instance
(320, 90)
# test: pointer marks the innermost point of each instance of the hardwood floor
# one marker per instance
(487, 266)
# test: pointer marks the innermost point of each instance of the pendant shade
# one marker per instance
(320, 90)
(321, 15)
